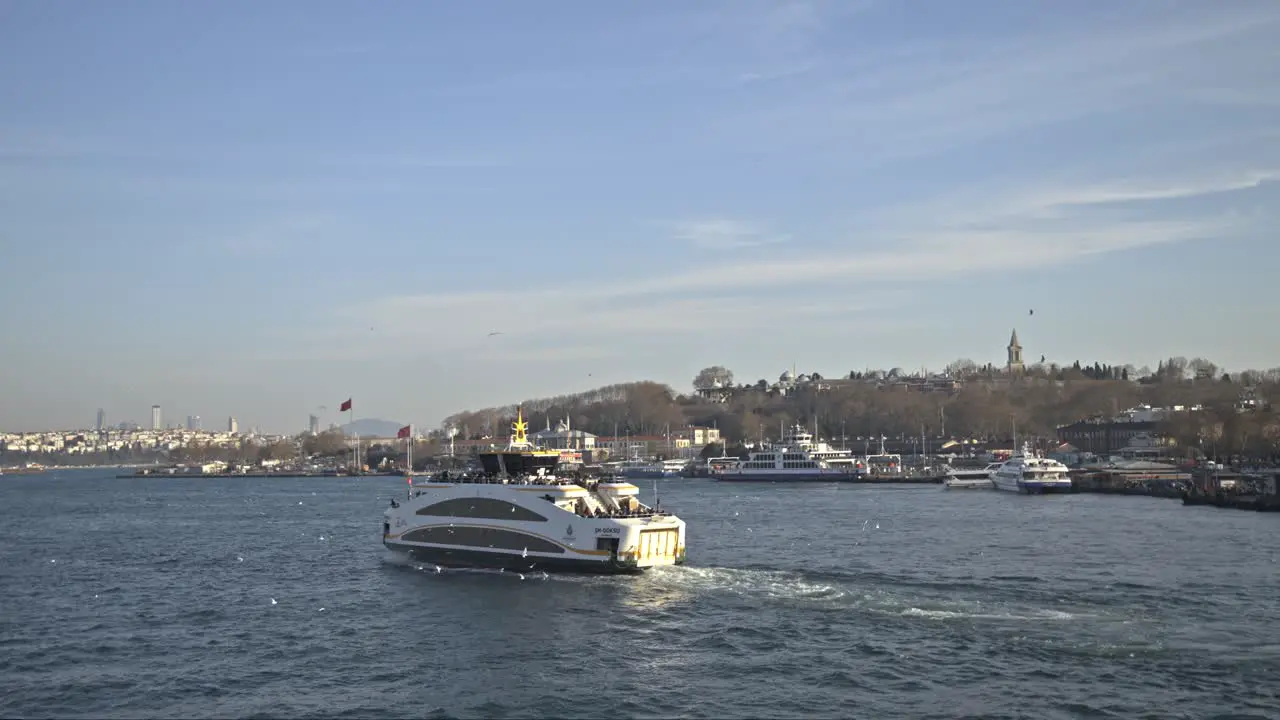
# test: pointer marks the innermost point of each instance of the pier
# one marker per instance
(1149, 479)
(1235, 490)
(258, 474)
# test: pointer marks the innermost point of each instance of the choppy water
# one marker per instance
(154, 598)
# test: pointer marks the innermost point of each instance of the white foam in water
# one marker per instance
(851, 594)
(775, 584)
(953, 614)
(396, 558)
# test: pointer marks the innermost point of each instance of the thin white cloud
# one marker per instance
(765, 40)
(725, 234)
(951, 92)
(778, 73)
(1128, 192)
(535, 327)
(985, 208)
(280, 234)
(1031, 229)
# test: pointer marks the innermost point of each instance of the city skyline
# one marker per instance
(327, 419)
(428, 211)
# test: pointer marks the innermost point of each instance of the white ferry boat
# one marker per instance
(800, 439)
(779, 465)
(638, 469)
(673, 468)
(532, 522)
(1029, 472)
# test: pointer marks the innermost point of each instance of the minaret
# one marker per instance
(1015, 354)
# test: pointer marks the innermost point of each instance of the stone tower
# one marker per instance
(1015, 354)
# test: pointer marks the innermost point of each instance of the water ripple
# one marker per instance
(154, 598)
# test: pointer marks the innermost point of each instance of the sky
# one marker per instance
(260, 210)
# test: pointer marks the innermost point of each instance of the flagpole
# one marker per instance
(351, 421)
(408, 472)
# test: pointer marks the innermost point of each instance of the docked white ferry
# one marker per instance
(674, 468)
(532, 522)
(1029, 472)
(638, 469)
(800, 439)
(779, 465)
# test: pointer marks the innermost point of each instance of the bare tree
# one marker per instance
(713, 376)
(964, 367)
(1202, 369)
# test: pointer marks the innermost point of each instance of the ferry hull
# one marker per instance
(643, 474)
(511, 562)
(779, 478)
(1035, 488)
(968, 484)
(1031, 487)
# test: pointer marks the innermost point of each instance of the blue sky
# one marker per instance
(258, 209)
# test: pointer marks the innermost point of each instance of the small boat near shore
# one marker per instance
(28, 469)
(970, 478)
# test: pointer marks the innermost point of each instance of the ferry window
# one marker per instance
(481, 537)
(487, 508)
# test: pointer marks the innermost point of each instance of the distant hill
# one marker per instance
(373, 427)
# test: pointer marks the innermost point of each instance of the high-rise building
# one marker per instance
(193, 422)
(102, 420)
(155, 417)
(233, 427)
(313, 424)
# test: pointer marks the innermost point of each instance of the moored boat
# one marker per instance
(779, 465)
(1028, 472)
(970, 478)
(638, 469)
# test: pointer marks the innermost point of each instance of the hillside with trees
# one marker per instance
(966, 401)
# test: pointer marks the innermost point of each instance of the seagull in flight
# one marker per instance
(494, 333)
